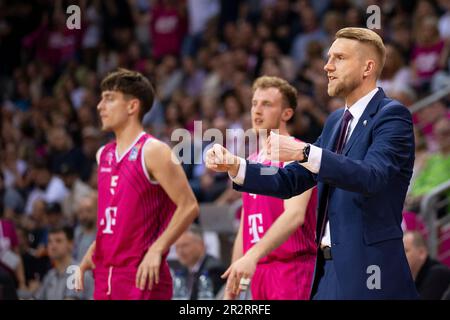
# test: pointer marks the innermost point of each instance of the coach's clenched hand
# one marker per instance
(221, 160)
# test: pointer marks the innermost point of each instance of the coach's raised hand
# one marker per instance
(284, 148)
(220, 159)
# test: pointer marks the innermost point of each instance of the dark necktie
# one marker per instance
(190, 280)
(338, 147)
(340, 142)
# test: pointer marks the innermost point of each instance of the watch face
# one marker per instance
(305, 154)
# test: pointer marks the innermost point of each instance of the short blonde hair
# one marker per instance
(288, 92)
(369, 37)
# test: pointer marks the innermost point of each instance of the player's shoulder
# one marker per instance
(155, 149)
(153, 145)
(104, 148)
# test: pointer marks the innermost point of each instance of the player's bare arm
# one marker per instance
(291, 219)
(237, 254)
(171, 177)
(85, 265)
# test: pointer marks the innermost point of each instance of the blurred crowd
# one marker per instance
(202, 56)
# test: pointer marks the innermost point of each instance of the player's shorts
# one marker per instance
(113, 283)
(283, 280)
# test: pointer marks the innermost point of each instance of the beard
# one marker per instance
(343, 88)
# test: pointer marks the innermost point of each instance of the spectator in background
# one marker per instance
(233, 109)
(107, 60)
(212, 184)
(12, 200)
(117, 23)
(191, 253)
(436, 169)
(90, 144)
(63, 150)
(444, 20)
(199, 14)
(45, 186)
(169, 77)
(431, 277)
(12, 167)
(308, 120)
(395, 75)
(35, 267)
(10, 259)
(311, 32)
(36, 224)
(284, 23)
(193, 77)
(55, 218)
(425, 120)
(86, 229)
(189, 111)
(7, 285)
(427, 53)
(421, 156)
(77, 189)
(55, 283)
(167, 27)
(54, 43)
(271, 51)
(413, 222)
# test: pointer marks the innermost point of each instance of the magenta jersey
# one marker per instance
(260, 212)
(133, 211)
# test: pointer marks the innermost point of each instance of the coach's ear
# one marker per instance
(369, 68)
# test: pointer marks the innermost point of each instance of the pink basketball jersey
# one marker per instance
(132, 210)
(260, 212)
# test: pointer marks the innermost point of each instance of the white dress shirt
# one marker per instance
(315, 153)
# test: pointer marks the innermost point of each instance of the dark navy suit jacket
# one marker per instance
(367, 188)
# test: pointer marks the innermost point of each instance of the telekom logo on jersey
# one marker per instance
(255, 227)
(110, 213)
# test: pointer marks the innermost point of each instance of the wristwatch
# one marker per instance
(305, 153)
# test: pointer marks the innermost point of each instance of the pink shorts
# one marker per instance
(113, 283)
(283, 280)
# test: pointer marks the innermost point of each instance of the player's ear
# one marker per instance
(287, 114)
(133, 106)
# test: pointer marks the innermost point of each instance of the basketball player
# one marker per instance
(275, 243)
(144, 199)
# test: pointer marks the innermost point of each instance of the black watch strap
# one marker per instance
(305, 153)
